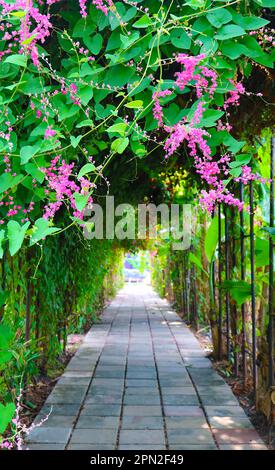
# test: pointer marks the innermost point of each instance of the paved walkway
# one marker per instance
(141, 381)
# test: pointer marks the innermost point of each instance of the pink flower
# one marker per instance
(234, 95)
(157, 109)
(49, 133)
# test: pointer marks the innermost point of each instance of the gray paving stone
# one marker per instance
(194, 447)
(97, 422)
(67, 396)
(142, 436)
(110, 374)
(44, 447)
(141, 383)
(91, 447)
(189, 390)
(230, 422)
(101, 410)
(219, 400)
(189, 436)
(133, 374)
(172, 410)
(107, 399)
(93, 436)
(63, 410)
(49, 435)
(142, 447)
(184, 422)
(142, 399)
(180, 400)
(55, 420)
(139, 410)
(142, 422)
(225, 411)
(75, 381)
(140, 391)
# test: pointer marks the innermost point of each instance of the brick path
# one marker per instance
(141, 381)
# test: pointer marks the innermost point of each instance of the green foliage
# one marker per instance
(112, 102)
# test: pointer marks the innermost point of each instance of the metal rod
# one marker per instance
(271, 269)
(242, 242)
(220, 283)
(227, 275)
(233, 309)
(253, 299)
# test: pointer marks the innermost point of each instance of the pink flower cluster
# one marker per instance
(61, 181)
(234, 95)
(49, 133)
(103, 5)
(157, 108)
(210, 169)
(199, 74)
(210, 198)
(247, 176)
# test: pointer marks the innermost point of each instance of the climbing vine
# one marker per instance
(87, 87)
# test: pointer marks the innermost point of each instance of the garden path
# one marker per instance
(140, 380)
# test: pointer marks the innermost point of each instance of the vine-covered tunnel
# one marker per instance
(137, 225)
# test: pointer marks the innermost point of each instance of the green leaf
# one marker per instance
(6, 414)
(134, 104)
(240, 291)
(219, 17)
(26, 153)
(240, 160)
(270, 231)
(119, 75)
(211, 238)
(195, 4)
(261, 252)
(86, 122)
(236, 172)
(28, 40)
(138, 149)
(194, 259)
(16, 235)
(32, 170)
(88, 168)
(180, 39)
(75, 140)
(230, 31)
(119, 128)
(17, 59)
(266, 3)
(8, 181)
(2, 238)
(250, 22)
(120, 144)
(18, 14)
(210, 117)
(143, 22)
(40, 230)
(85, 94)
(93, 43)
(81, 201)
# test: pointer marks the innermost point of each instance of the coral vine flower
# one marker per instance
(157, 109)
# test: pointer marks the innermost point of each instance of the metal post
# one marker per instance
(243, 278)
(271, 268)
(253, 299)
(220, 283)
(233, 309)
(227, 275)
